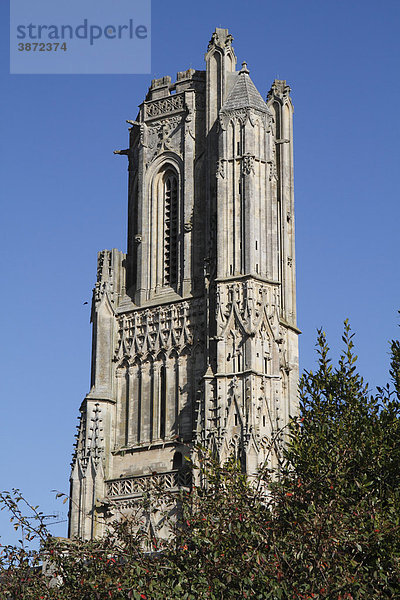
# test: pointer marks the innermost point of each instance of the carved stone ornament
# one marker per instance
(143, 131)
(105, 276)
(136, 486)
(157, 108)
(248, 307)
(242, 115)
(248, 164)
(190, 116)
(279, 89)
(165, 135)
(89, 446)
(216, 40)
(132, 157)
(221, 168)
(273, 173)
(174, 326)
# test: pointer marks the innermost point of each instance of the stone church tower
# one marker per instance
(194, 328)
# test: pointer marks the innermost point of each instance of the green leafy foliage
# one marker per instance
(326, 526)
(339, 529)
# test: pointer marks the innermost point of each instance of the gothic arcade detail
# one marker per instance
(194, 328)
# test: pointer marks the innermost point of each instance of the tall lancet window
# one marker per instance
(170, 229)
(163, 401)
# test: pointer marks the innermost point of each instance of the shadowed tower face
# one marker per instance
(194, 328)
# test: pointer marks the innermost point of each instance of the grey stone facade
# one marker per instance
(194, 328)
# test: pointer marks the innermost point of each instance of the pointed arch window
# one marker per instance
(165, 229)
(170, 190)
(163, 401)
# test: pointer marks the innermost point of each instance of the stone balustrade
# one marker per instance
(170, 481)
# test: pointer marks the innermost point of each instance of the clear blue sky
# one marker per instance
(65, 197)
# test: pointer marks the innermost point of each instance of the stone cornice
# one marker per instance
(246, 278)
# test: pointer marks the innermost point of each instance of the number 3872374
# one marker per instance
(41, 47)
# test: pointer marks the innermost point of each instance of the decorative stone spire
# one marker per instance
(279, 89)
(244, 93)
(220, 38)
(221, 66)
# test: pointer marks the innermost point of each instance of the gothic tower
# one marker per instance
(194, 328)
